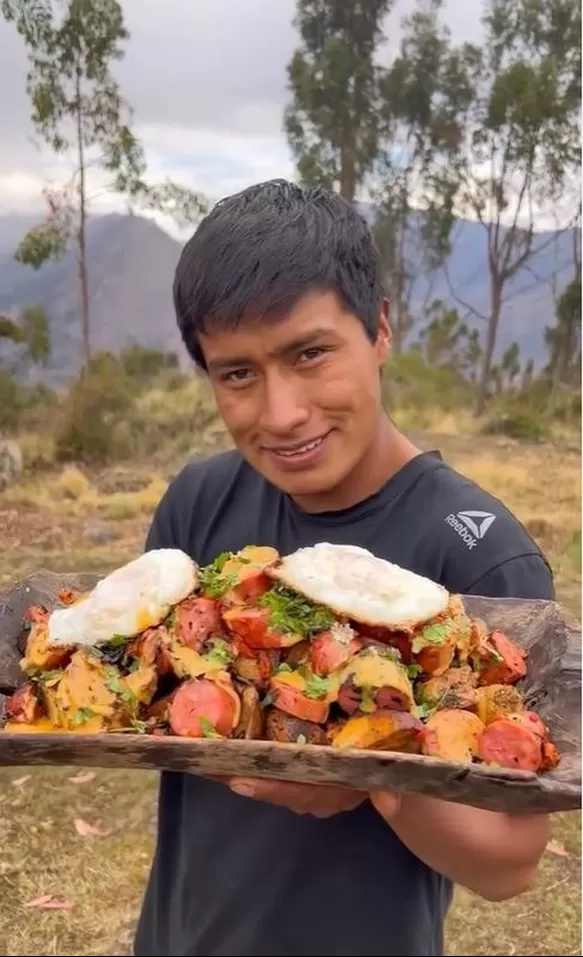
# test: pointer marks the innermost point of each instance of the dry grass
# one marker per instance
(66, 522)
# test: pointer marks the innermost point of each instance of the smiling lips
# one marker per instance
(298, 452)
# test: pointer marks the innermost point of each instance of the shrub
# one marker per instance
(97, 402)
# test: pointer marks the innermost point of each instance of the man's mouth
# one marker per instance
(298, 449)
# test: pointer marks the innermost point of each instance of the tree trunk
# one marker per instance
(347, 173)
(491, 332)
(81, 233)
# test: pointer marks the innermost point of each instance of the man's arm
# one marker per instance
(495, 855)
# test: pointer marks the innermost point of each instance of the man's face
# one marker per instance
(300, 396)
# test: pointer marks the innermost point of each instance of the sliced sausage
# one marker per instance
(196, 620)
(509, 744)
(329, 651)
(288, 693)
(251, 625)
(23, 705)
(202, 707)
(500, 661)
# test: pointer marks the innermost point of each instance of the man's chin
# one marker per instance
(305, 484)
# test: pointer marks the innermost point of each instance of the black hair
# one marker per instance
(257, 252)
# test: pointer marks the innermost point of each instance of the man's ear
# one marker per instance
(384, 334)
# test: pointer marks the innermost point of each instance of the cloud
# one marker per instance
(207, 82)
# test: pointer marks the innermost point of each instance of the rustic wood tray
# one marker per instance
(552, 687)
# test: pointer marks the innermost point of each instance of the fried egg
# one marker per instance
(354, 583)
(125, 602)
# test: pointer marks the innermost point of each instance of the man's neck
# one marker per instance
(388, 453)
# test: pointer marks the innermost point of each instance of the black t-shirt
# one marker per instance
(233, 876)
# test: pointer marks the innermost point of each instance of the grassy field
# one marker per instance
(75, 845)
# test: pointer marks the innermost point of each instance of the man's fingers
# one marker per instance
(387, 803)
(264, 789)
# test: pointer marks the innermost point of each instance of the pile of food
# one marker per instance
(327, 646)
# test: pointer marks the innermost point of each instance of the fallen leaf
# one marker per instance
(50, 902)
(85, 829)
(555, 848)
(18, 782)
(84, 777)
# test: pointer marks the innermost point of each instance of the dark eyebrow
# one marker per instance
(294, 345)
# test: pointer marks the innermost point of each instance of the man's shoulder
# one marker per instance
(460, 508)
(473, 533)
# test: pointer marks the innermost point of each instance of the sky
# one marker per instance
(207, 82)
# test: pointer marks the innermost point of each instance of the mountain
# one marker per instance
(528, 303)
(131, 263)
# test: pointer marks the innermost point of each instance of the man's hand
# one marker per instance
(319, 800)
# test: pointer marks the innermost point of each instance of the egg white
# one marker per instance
(353, 582)
(136, 596)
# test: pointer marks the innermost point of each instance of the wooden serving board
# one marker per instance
(552, 687)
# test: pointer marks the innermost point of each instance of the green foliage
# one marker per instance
(564, 339)
(11, 330)
(10, 403)
(447, 341)
(332, 123)
(519, 423)
(113, 412)
(24, 407)
(142, 364)
(522, 139)
(98, 401)
(77, 105)
(36, 333)
(409, 382)
(31, 331)
(423, 97)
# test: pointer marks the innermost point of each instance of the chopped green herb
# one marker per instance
(213, 582)
(367, 700)
(117, 640)
(316, 686)
(292, 613)
(116, 685)
(207, 728)
(268, 700)
(82, 715)
(433, 634)
(219, 652)
(422, 711)
(46, 677)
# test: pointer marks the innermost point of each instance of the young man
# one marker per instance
(278, 297)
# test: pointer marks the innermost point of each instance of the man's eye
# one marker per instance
(237, 375)
(314, 352)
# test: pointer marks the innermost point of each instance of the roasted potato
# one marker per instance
(283, 727)
(452, 734)
(455, 688)
(383, 730)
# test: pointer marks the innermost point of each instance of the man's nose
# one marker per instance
(285, 408)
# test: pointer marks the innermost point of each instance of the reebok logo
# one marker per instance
(471, 525)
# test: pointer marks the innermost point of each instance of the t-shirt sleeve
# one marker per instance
(525, 576)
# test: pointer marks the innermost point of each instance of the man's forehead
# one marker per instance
(272, 335)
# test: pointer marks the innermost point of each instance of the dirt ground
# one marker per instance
(76, 844)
